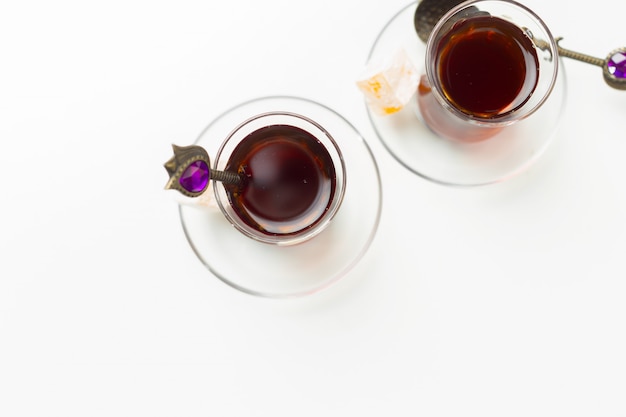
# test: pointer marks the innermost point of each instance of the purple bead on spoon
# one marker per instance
(190, 171)
(617, 64)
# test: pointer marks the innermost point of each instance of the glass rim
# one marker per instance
(307, 232)
(506, 118)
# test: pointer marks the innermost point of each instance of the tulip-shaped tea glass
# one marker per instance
(292, 174)
(489, 64)
(489, 98)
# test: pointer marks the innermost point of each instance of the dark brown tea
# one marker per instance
(289, 180)
(487, 66)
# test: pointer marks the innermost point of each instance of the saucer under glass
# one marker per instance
(272, 270)
(449, 162)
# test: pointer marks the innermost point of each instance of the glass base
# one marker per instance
(289, 271)
(449, 162)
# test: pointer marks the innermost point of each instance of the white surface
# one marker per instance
(499, 301)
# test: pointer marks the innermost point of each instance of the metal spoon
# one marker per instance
(429, 12)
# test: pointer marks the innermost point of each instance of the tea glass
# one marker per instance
(435, 107)
(285, 233)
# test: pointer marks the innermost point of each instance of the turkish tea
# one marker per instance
(289, 180)
(487, 66)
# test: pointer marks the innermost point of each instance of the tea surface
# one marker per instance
(289, 179)
(487, 66)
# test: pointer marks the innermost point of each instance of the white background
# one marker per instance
(506, 300)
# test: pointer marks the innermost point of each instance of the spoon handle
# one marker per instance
(578, 56)
(226, 177)
(613, 66)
